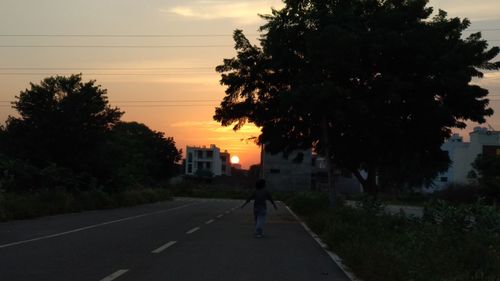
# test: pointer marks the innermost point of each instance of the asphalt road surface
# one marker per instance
(185, 239)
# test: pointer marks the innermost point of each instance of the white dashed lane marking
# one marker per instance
(115, 275)
(162, 248)
(193, 230)
(209, 221)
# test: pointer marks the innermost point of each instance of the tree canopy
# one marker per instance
(68, 136)
(139, 154)
(374, 85)
(62, 120)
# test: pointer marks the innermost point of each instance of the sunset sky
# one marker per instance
(169, 83)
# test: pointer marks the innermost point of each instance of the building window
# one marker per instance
(223, 158)
(223, 168)
(444, 179)
(274, 171)
(208, 165)
(199, 165)
(190, 157)
(190, 168)
(210, 154)
(200, 153)
(497, 152)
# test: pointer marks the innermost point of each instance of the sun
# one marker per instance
(235, 159)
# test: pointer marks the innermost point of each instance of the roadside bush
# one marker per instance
(3, 212)
(308, 203)
(459, 194)
(450, 243)
(17, 175)
(142, 196)
(23, 206)
(37, 204)
(95, 200)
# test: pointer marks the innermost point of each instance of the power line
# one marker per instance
(116, 46)
(170, 105)
(148, 101)
(189, 101)
(170, 35)
(106, 74)
(102, 68)
(152, 105)
(124, 35)
(170, 100)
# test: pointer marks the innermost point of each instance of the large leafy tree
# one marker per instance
(373, 85)
(139, 155)
(486, 168)
(62, 120)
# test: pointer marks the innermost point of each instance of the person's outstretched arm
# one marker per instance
(252, 197)
(268, 195)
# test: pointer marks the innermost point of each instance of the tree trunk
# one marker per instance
(370, 183)
(332, 191)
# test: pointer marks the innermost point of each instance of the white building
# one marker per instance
(207, 159)
(463, 154)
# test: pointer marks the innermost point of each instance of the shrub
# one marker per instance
(37, 204)
(308, 203)
(95, 200)
(456, 243)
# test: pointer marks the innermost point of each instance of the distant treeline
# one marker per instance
(67, 137)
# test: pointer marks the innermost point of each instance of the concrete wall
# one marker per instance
(284, 173)
(346, 184)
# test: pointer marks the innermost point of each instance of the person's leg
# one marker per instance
(259, 225)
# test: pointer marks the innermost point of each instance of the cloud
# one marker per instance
(475, 10)
(492, 75)
(245, 12)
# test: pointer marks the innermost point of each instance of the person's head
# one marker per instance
(260, 184)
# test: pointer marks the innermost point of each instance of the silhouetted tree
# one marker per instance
(372, 85)
(487, 172)
(62, 120)
(139, 155)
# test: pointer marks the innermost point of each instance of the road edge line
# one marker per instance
(323, 245)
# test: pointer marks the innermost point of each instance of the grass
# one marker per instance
(44, 203)
(450, 243)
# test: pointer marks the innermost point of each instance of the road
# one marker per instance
(185, 239)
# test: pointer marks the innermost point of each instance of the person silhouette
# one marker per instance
(260, 196)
